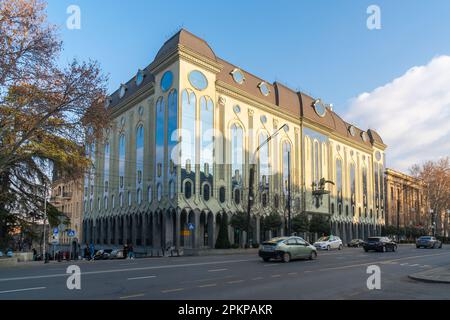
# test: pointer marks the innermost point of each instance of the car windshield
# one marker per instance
(323, 239)
(425, 238)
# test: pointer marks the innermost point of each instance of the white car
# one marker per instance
(328, 243)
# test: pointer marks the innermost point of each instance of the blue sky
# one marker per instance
(321, 47)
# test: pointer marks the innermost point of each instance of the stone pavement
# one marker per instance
(438, 275)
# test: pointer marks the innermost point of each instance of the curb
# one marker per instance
(427, 279)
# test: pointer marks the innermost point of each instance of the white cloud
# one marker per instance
(411, 113)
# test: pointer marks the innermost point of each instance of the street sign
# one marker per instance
(71, 233)
(55, 230)
(55, 238)
(185, 233)
(191, 226)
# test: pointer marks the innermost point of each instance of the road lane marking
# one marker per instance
(139, 278)
(414, 265)
(128, 269)
(308, 271)
(258, 278)
(292, 273)
(217, 270)
(172, 290)
(235, 281)
(275, 276)
(132, 296)
(208, 285)
(404, 264)
(372, 262)
(270, 265)
(20, 290)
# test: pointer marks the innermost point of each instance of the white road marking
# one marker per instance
(20, 290)
(404, 264)
(270, 265)
(128, 269)
(235, 281)
(292, 273)
(172, 290)
(414, 265)
(139, 278)
(258, 278)
(132, 296)
(275, 276)
(217, 270)
(208, 285)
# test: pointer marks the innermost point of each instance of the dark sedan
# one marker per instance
(356, 243)
(428, 242)
(381, 244)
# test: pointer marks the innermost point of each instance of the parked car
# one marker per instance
(356, 243)
(117, 254)
(428, 242)
(328, 243)
(382, 244)
(287, 249)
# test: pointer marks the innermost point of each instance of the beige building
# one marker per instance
(67, 197)
(406, 202)
(183, 133)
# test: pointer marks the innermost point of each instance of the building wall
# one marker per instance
(167, 206)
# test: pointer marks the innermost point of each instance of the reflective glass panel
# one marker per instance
(198, 80)
(166, 81)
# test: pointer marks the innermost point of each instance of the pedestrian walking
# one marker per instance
(130, 251)
(125, 251)
(92, 250)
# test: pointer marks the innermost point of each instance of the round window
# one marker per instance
(238, 76)
(378, 155)
(236, 109)
(319, 107)
(264, 88)
(166, 81)
(198, 80)
(263, 119)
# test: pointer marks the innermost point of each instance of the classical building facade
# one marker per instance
(67, 197)
(177, 155)
(406, 201)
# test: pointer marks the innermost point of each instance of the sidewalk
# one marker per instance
(436, 275)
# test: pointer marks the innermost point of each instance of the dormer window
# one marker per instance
(364, 136)
(108, 102)
(139, 77)
(264, 88)
(123, 89)
(352, 130)
(238, 76)
(319, 107)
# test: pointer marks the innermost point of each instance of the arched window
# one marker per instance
(139, 196)
(172, 138)
(139, 155)
(171, 189)
(106, 168)
(206, 192)
(159, 135)
(264, 168)
(332, 208)
(317, 162)
(121, 161)
(365, 186)
(352, 182)
(149, 194)
(339, 179)
(237, 196)
(187, 189)
(159, 192)
(264, 199)
(105, 202)
(375, 172)
(381, 173)
(206, 134)
(113, 202)
(237, 156)
(188, 116)
(121, 199)
(222, 196)
(129, 198)
(286, 152)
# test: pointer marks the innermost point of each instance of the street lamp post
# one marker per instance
(433, 222)
(251, 179)
(45, 219)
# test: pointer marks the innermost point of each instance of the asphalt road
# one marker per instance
(334, 275)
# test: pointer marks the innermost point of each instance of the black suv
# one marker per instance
(382, 244)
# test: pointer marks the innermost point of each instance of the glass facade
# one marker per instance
(287, 165)
(237, 160)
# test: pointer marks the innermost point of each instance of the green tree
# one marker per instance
(222, 238)
(300, 223)
(271, 222)
(47, 112)
(239, 221)
(320, 224)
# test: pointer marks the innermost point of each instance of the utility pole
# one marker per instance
(252, 179)
(45, 219)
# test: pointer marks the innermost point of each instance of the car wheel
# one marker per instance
(266, 259)
(328, 248)
(340, 247)
(286, 257)
(313, 255)
(417, 247)
(366, 250)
